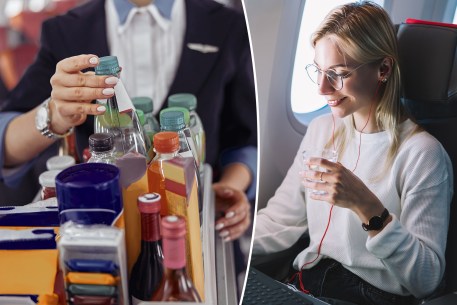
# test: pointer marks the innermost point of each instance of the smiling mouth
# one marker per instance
(334, 103)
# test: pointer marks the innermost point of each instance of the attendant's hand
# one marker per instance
(235, 209)
(73, 91)
(342, 188)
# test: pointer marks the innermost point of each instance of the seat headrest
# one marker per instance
(428, 61)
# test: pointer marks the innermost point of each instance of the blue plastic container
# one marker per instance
(89, 193)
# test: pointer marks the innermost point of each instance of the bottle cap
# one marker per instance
(149, 203)
(172, 120)
(144, 103)
(101, 142)
(166, 141)
(186, 100)
(173, 227)
(181, 109)
(108, 65)
(140, 115)
(60, 162)
(48, 178)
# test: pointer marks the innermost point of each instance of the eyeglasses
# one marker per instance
(335, 79)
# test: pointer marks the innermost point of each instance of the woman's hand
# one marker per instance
(342, 188)
(235, 209)
(73, 91)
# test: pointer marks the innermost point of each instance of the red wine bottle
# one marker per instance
(147, 271)
(176, 284)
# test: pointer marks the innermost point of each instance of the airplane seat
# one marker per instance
(428, 62)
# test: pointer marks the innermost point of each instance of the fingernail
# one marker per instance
(219, 226)
(228, 192)
(227, 239)
(224, 233)
(111, 80)
(101, 108)
(93, 60)
(230, 214)
(108, 91)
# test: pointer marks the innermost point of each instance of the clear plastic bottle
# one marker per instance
(101, 147)
(189, 101)
(120, 118)
(174, 120)
(147, 140)
(151, 125)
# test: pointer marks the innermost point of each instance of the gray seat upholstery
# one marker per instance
(428, 61)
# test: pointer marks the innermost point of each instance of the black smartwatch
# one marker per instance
(376, 222)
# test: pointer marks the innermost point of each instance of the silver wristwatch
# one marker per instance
(43, 122)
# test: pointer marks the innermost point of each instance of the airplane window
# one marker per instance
(306, 103)
(455, 16)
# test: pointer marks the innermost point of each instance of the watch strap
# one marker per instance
(46, 130)
(376, 222)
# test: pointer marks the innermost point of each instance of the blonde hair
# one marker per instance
(364, 32)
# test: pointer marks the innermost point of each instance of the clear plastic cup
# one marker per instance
(329, 154)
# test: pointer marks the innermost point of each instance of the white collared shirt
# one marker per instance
(148, 47)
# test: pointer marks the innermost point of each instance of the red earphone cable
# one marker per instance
(366, 123)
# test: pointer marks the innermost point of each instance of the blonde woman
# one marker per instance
(378, 228)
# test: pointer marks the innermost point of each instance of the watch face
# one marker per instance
(376, 223)
(41, 118)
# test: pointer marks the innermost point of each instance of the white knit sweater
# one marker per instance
(407, 256)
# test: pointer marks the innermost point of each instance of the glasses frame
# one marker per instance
(341, 77)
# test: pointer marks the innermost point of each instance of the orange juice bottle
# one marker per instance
(166, 145)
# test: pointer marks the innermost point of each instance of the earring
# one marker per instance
(384, 80)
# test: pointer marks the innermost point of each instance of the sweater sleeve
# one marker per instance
(412, 246)
(281, 223)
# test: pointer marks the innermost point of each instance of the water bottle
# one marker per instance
(101, 147)
(189, 101)
(151, 125)
(120, 118)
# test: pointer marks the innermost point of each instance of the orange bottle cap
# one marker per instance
(166, 141)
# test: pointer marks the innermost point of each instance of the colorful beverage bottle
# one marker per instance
(148, 269)
(134, 182)
(166, 145)
(173, 119)
(176, 284)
